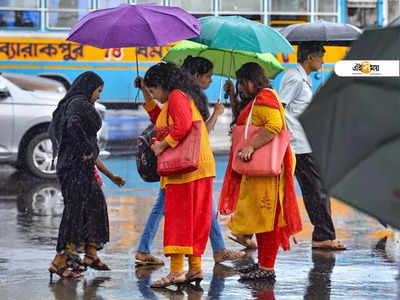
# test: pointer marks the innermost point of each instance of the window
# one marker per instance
(241, 6)
(289, 5)
(325, 6)
(393, 10)
(326, 18)
(19, 18)
(194, 6)
(63, 14)
(20, 3)
(19, 13)
(149, 1)
(110, 3)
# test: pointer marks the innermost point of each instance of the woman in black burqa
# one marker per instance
(73, 131)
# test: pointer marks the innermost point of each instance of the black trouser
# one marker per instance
(316, 201)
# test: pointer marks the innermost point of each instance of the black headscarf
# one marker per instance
(81, 90)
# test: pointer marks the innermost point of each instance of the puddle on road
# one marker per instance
(30, 211)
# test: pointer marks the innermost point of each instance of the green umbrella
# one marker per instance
(226, 62)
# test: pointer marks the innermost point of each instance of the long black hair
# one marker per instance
(197, 64)
(250, 72)
(169, 77)
(255, 73)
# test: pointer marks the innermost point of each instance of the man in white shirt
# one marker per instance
(296, 93)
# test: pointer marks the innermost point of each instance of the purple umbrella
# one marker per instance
(139, 25)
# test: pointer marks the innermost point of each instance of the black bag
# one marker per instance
(146, 160)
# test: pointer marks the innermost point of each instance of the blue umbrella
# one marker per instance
(238, 33)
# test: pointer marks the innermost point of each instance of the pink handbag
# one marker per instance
(265, 161)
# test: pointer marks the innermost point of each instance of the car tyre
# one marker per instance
(38, 156)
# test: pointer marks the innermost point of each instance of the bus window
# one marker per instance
(362, 14)
(149, 1)
(393, 10)
(240, 6)
(109, 3)
(19, 18)
(195, 6)
(296, 6)
(72, 11)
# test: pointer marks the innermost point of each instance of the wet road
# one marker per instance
(30, 211)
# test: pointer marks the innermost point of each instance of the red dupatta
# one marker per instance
(231, 186)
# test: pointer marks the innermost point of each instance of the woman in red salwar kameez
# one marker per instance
(188, 198)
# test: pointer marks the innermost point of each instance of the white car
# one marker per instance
(26, 107)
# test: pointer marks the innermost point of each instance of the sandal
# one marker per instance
(229, 255)
(258, 274)
(247, 269)
(96, 264)
(332, 245)
(74, 262)
(243, 240)
(170, 279)
(148, 260)
(196, 277)
(60, 272)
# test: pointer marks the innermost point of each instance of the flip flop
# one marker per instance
(248, 243)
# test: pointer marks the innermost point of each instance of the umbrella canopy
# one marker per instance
(395, 22)
(238, 33)
(134, 26)
(327, 33)
(353, 126)
(221, 58)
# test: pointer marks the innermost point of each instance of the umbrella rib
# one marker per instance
(151, 30)
(106, 35)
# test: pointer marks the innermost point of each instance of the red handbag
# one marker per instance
(184, 158)
(265, 161)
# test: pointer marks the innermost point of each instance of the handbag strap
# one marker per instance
(249, 120)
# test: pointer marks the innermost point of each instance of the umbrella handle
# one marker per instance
(226, 95)
(137, 75)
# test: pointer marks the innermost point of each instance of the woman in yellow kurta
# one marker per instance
(266, 205)
(188, 196)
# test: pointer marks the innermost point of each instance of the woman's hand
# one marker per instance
(159, 147)
(229, 87)
(139, 82)
(87, 157)
(219, 109)
(118, 180)
(246, 152)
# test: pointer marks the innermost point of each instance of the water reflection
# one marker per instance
(38, 197)
(143, 274)
(66, 289)
(217, 284)
(39, 204)
(319, 278)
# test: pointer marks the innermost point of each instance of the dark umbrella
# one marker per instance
(395, 22)
(323, 32)
(353, 125)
